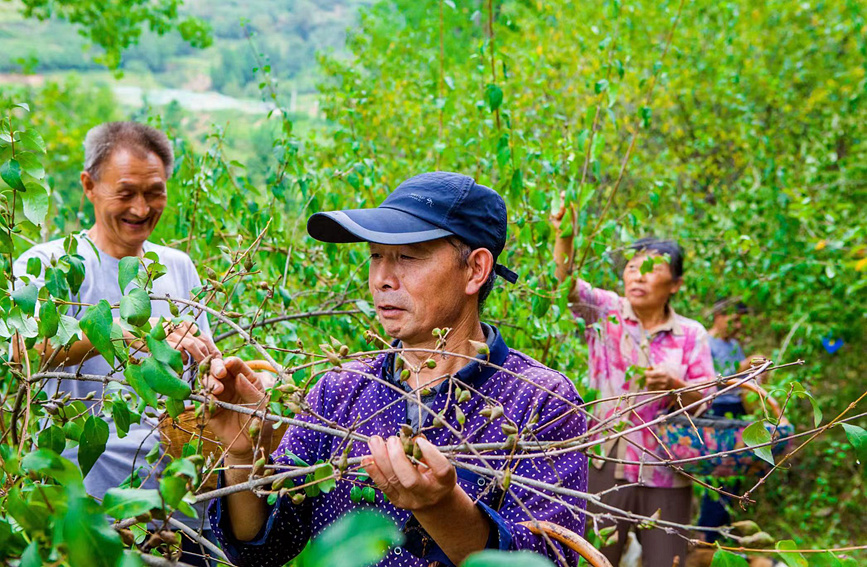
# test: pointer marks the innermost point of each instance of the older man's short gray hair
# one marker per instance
(141, 139)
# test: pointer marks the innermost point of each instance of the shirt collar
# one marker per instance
(671, 323)
(474, 372)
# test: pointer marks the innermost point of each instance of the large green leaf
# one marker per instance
(31, 557)
(135, 307)
(127, 270)
(163, 352)
(68, 331)
(32, 140)
(10, 172)
(858, 438)
(92, 443)
(48, 319)
(163, 381)
(120, 503)
(723, 558)
(133, 375)
(35, 202)
(826, 559)
(757, 434)
(120, 415)
(491, 558)
(49, 463)
(792, 559)
(25, 298)
(96, 325)
(52, 438)
(357, 539)
(87, 536)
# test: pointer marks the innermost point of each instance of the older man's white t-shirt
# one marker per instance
(122, 456)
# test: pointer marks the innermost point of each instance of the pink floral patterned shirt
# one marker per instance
(617, 341)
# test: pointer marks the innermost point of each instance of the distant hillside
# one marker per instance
(288, 33)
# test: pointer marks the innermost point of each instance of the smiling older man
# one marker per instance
(434, 244)
(126, 167)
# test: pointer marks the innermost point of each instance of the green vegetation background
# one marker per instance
(751, 152)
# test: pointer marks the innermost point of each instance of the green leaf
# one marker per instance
(92, 443)
(88, 538)
(825, 559)
(601, 86)
(174, 407)
(55, 281)
(120, 415)
(799, 390)
(164, 353)
(369, 494)
(35, 202)
(49, 321)
(858, 438)
(31, 557)
(25, 298)
(31, 165)
(127, 270)
(120, 503)
(51, 464)
(34, 266)
(75, 274)
(68, 331)
(135, 307)
(355, 494)
(493, 96)
(358, 539)
(757, 434)
(163, 381)
(153, 454)
(492, 558)
(723, 558)
(52, 438)
(173, 489)
(96, 325)
(10, 172)
(134, 377)
(646, 113)
(322, 475)
(31, 140)
(791, 559)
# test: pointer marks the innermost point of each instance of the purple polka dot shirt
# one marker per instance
(542, 400)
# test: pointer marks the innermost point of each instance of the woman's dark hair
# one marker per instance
(670, 247)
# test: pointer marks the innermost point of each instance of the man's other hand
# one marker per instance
(407, 486)
(234, 382)
(182, 338)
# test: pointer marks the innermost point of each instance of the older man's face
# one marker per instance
(418, 287)
(129, 196)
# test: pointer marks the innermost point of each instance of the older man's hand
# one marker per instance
(406, 485)
(233, 381)
(182, 337)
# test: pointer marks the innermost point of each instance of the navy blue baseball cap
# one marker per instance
(425, 207)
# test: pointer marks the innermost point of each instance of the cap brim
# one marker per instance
(380, 226)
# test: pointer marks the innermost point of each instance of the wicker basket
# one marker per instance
(694, 437)
(175, 433)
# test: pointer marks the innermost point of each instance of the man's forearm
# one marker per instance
(247, 512)
(457, 525)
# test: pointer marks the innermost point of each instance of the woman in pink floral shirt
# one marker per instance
(638, 343)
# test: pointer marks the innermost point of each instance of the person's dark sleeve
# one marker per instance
(567, 470)
(288, 528)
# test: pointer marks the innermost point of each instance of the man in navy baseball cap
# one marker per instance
(426, 207)
(433, 248)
